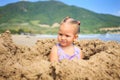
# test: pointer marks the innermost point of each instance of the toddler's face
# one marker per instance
(66, 35)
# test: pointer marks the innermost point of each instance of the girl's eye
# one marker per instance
(60, 34)
(67, 35)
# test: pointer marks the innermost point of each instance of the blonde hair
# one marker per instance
(72, 21)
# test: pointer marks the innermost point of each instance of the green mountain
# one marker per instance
(38, 17)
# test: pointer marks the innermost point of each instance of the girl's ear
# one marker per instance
(76, 36)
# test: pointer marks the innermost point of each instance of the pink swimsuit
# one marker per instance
(62, 55)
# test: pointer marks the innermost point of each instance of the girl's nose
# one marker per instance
(62, 37)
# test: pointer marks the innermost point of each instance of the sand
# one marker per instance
(27, 58)
(25, 40)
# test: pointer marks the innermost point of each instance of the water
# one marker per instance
(104, 37)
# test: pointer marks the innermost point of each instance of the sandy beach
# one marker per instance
(25, 40)
(27, 58)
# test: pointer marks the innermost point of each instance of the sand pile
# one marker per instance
(101, 61)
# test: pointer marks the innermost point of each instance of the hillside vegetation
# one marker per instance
(43, 17)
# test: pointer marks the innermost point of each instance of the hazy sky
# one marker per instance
(99, 6)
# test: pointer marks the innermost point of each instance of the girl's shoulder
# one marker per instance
(54, 47)
(76, 47)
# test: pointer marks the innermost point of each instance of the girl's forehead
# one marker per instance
(67, 29)
(66, 25)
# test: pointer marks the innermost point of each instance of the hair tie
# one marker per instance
(78, 22)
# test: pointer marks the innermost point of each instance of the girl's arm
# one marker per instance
(53, 54)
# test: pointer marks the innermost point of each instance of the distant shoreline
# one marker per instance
(29, 40)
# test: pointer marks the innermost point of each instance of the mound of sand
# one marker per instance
(101, 61)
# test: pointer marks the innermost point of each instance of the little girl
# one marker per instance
(67, 34)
